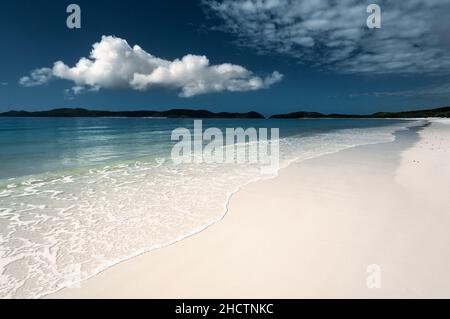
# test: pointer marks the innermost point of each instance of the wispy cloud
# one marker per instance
(37, 77)
(114, 64)
(70, 94)
(333, 34)
(435, 91)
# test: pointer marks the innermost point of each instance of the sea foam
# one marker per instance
(60, 228)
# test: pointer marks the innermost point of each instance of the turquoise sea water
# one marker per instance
(38, 145)
(78, 195)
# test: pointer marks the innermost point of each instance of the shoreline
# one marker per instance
(334, 141)
(226, 211)
(120, 280)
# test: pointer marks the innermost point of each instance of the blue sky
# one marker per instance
(270, 56)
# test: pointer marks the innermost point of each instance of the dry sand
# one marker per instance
(313, 231)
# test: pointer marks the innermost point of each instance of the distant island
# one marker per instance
(204, 114)
(439, 112)
(175, 113)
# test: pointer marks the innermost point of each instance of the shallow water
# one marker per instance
(80, 195)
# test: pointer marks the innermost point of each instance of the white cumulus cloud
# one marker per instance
(114, 64)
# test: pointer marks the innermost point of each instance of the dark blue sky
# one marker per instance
(34, 35)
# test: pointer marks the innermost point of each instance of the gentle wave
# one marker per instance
(72, 225)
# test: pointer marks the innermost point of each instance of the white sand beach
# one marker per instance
(313, 231)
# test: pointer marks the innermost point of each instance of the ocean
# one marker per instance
(79, 195)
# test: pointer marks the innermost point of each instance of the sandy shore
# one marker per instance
(313, 231)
